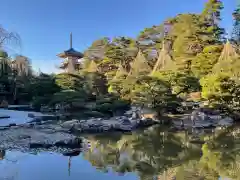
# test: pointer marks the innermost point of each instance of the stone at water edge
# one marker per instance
(31, 115)
(227, 121)
(69, 124)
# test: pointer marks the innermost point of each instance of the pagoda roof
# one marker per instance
(71, 52)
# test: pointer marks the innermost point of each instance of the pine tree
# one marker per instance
(139, 66)
(185, 41)
(93, 67)
(229, 62)
(205, 61)
(116, 84)
(120, 72)
(210, 36)
(209, 22)
(164, 62)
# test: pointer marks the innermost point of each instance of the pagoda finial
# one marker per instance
(71, 40)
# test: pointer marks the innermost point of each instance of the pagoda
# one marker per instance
(71, 59)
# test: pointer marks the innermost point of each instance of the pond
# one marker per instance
(153, 153)
(17, 117)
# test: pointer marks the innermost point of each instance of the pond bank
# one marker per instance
(26, 130)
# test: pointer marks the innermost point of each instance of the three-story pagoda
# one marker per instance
(71, 59)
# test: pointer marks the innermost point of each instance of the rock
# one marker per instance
(227, 121)
(31, 115)
(24, 136)
(125, 121)
(106, 127)
(61, 129)
(12, 124)
(215, 117)
(69, 124)
(125, 128)
(3, 127)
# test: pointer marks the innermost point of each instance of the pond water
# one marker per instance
(17, 117)
(151, 154)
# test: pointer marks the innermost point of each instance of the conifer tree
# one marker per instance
(228, 62)
(209, 22)
(92, 68)
(139, 66)
(210, 36)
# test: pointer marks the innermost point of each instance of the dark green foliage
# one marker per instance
(38, 101)
(70, 81)
(96, 83)
(43, 85)
(111, 105)
(204, 62)
(153, 92)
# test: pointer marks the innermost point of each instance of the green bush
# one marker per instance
(40, 100)
(113, 107)
(104, 108)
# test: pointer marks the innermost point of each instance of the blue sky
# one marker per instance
(45, 25)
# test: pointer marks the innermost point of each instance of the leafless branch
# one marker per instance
(7, 38)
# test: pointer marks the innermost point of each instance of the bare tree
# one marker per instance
(22, 65)
(7, 37)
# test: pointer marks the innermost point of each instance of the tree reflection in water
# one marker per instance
(2, 154)
(158, 154)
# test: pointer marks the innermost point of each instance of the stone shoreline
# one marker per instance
(48, 132)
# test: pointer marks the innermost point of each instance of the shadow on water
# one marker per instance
(154, 153)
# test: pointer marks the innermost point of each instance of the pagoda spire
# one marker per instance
(71, 40)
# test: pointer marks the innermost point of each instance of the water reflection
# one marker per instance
(159, 154)
(151, 154)
(48, 166)
(2, 154)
